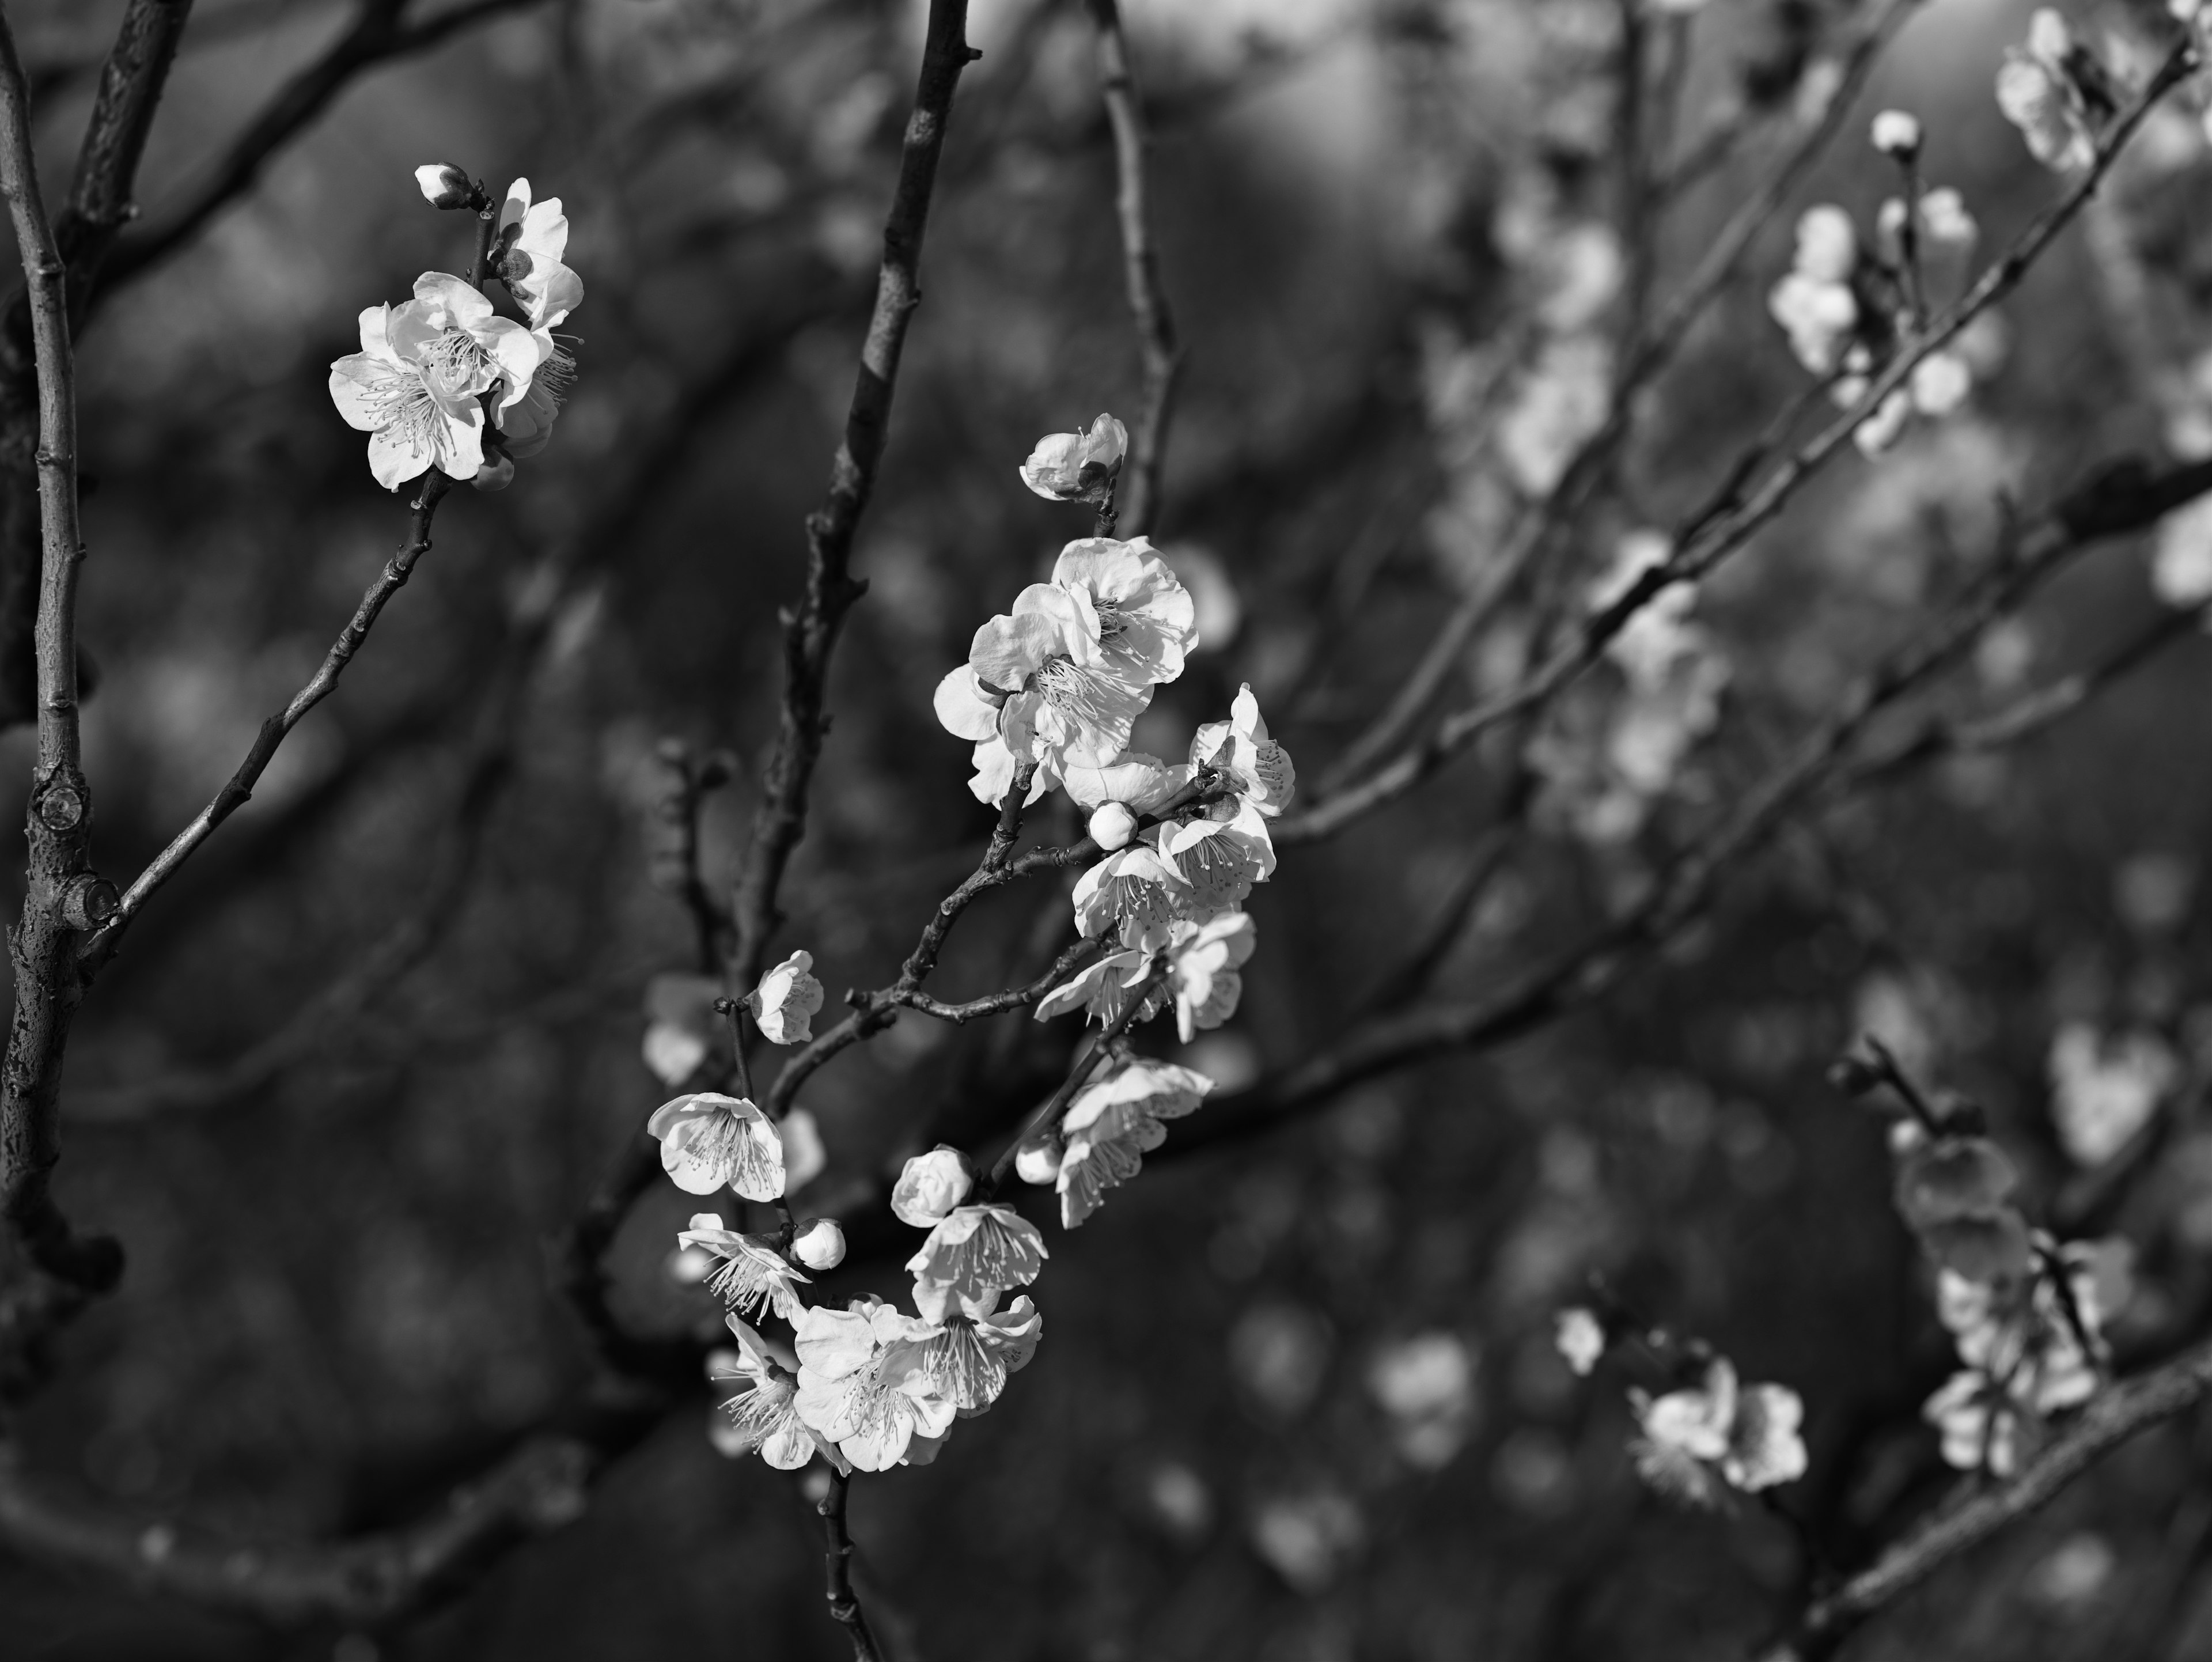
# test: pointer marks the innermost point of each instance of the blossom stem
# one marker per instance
(487, 233)
(837, 1570)
(733, 1011)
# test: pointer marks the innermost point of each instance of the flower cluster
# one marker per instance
(2057, 93)
(441, 380)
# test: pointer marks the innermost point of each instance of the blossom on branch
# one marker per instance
(766, 1418)
(1135, 893)
(1219, 852)
(972, 1255)
(754, 1275)
(708, 1139)
(1693, 1442)
(784, 1002)
(2056, 92)
(819, 1244)
(976, 1349)
(533, 237)
(1101, 990)
(1203, 963)
(1240, 748)
(862, 1385)
(1114, 1122)
(930, 1186)
(1076, 467)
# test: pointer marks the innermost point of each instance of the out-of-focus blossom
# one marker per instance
(819, 1244)
(1240, 748)
(1979, 1427)
(2040, 89)
(1883, 429)
(1944, 219)
(784, 1002)
(2102, 1092)
(861, 1383)
(1896, 133)
(1308, 1539)
(1579, 1337)
(1692, 1441)
(681, 1026)
(1078, 466)
(1425, 1384)
(805, 1158)
(972, 1255)
(766, 1417)
(1203, 963)
(1827, 247)
(1113, 1124)
(753, 1275)
(930, 1186)
(1940, 383)
(708, 1139)
(2181, 568)
(1817, 317)
(533, 239)
(969, 1359)
(1558, 405)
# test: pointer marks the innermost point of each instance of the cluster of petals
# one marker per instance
(1073, 467)
(864, 1386)
(784, 1003)
(1718, 1433)
(708, 1139)
(975, 1253)
(1240, 749)
(1059, 681)
(765, 1418)
(753, 1273)
(930, 1185)
(1204, 962)
(976, 1348)
(1814, 302)
(2053, 90)
(1113, 1124)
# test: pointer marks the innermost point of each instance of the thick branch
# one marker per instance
(837, 1571)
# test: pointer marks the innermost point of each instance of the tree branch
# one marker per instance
(837, 1570)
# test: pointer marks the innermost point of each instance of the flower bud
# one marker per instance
(1897, 134)
(496, 473)
(1113, 826)
(819, 1244)
(444, 185)
(1037, 1160)
(931, 1186)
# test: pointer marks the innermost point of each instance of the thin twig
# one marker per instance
(837, 1570)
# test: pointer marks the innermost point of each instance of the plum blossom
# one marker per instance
(2102, 1092)
(1038, 1160)
(1134, 893)
(1897, 133)
(975, 1350)
(930, 1186)
(1944, 219)
(415, 385)
(2045, 88)
(708, 1139)
(784, 1002)
(974, 1254)
(819, 1244)
(753, 1276)
(1146, 622)
(532, 239)
(1579, 1336)
(1980, 1427)
(1814, 302)
(766, 1418)
(1101, 990)
(1038, 680)
(1240, 748)
(1220, 852)
(1692, 1441)
(1203, 963)
(862, 1387)
(681, 1026)
(1114, 1122)
(1074, 467)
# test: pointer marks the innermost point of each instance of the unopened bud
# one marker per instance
(1038, 1159)
(496, 473)
(444, 185)
(819, 1244)
(1113, 826)
(1897, 134)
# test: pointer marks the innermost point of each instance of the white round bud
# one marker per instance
(819, 1244)
(1897, 134)
(1112, 825)
(443, 186)
(1037, 1160)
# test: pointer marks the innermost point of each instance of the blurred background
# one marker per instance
(1298, 1398)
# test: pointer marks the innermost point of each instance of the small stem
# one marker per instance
(837, 1571)
(733, 1011)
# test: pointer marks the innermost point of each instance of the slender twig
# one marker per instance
(63, 895)
(811, 630)
(837, 1570)
(675, 852)
(1139, 508)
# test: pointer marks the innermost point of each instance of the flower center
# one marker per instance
(458, 362)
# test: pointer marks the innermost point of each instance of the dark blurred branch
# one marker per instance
(675, 852)
(811, 631)
(1148, 300)
(378, 33)
(63, 895)
(240, 788)
(2111, 1419)
(1722, 535)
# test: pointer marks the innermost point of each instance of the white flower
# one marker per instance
(1145, 620)
(1559, 401)
(995, 765)
(1980, 1428)
(415, 385)
(1133, 893)
(1240, 748)
(805, 1158)
(784, 1002)
(1078, 466)
(974, 1254)
(1897, 134)
(767, 1416)
(1880, 430)
(1745, 1436)
(1102, 990)
(1219, 853)
(861, 1385)
(532, 240)
(819, 1244)
(1203, 963)
(1658, 635)
(1425, 1384)
(443, 186)
(1038, 679)
(930, 1186)
(968, 1361)
(1143, 784)
(525, 423)
(1827, 245)
(2102, 1092)
(1113, 1122)
(708, 1139)
(1944, 218)
(753, 1275)
(1037, 1160)
(2181, 570)
(2038, 94)
(1580, 1338)
(1818, 317)
(1940, 383)
(681, 1026)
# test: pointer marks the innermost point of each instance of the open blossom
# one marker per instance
(1038, 680)
(1219, 853)
(1101, 990)
(974, 1254)
(766, 1418)
(1078, 466)
(862, 1387)
(753, 1275)
(784, 1002)
(930, 1186)
(708, 1139)
(1240, 748)
(1146, 622)
(975, 1351)
(2042, 91)
(1134, 894)
(533, 239)
(1114, 1122)
(416, 384)
(1692, 1442)
(1204, 960)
